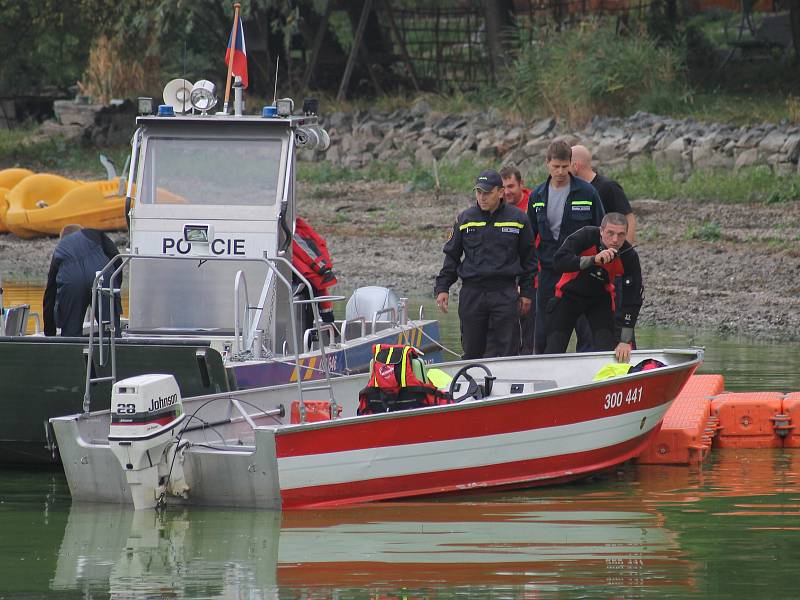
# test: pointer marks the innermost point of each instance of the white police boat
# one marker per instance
(212, 293)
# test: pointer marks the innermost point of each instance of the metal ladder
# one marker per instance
(104, 326)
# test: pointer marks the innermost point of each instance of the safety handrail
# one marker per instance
(272, 267)
(238, 329)
(329, 327)
(382, 311)
(346, 322)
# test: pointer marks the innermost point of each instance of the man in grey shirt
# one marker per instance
(557, 208)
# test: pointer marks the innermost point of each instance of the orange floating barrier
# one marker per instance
(683, 438)
(688, 428)
(703, 385)
(791, 425)
(746, 419)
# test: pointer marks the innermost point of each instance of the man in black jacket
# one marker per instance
(590, 260)
(80, 253)
(557, 208)
(491, 250)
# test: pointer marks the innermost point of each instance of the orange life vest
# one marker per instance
(310, 256)
(393, 385)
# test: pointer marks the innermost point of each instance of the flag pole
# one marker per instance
(234, 35)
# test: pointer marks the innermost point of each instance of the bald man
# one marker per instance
(614, 201)
(611, 193)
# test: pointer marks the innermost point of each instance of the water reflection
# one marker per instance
(729, 528)
(553, 543)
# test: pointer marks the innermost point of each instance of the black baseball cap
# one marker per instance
(488, 180)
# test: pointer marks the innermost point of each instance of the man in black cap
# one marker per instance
(491, 250)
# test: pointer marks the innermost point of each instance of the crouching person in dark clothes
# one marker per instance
(80, 253)
(496, 243)
(590, 260)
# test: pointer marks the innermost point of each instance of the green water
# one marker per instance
(728, 529)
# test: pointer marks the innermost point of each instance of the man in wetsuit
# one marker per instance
(491, 249)
(614, 200)
(590, 261)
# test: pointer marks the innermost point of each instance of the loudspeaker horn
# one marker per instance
(176, 94)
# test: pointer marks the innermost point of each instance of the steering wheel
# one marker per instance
(472, 386)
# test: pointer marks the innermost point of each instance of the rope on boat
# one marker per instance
(436, 342)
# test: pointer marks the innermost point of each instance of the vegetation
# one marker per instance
(595, 71)
(645, 180)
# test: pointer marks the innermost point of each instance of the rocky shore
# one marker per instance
(422, 135)
(739, 278)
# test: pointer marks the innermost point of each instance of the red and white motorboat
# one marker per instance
(525, 421)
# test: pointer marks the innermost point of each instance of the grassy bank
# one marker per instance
(641, 180)
(24, 148)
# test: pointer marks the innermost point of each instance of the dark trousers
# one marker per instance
(526, 327)
(489, 321)
(546, 285)
(584, 331)
(563, 313)
(71, 305)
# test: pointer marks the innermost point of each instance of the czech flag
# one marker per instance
(239, 51)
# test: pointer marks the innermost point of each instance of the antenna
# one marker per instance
(275, 92)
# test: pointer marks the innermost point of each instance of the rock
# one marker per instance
(424, 156)
(639, 144)
(68, 112)
(791, 149)
(339, 120)
(420, 108)
(746, 158)
(486, 148)
(440, 149)
(773, 142)
(674, 153)
(542, 128)
(70, 133)
(705, 157)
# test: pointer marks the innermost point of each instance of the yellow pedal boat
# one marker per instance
(8, 179)
(42, 204)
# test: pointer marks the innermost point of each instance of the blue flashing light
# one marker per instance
(166, 110)
(269, 111)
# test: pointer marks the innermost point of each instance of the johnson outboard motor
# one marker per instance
(146, 412)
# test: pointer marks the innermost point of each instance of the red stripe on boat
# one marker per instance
(436, 425)
(519, 474)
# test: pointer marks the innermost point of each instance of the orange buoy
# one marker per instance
(791, 408)
(688, 427)
(746, 419)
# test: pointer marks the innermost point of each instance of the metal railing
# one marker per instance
(273, 272)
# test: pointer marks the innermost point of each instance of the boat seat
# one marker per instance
(16, 319)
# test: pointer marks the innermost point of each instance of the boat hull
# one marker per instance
(515, 443)
(517, 440)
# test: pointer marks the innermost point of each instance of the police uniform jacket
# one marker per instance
(598, 280)
(583, 207)
(489, 249)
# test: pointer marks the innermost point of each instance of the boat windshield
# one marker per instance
(239, 172)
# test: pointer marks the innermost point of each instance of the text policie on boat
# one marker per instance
(219, 246)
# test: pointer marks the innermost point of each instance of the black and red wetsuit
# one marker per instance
(590, 291)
